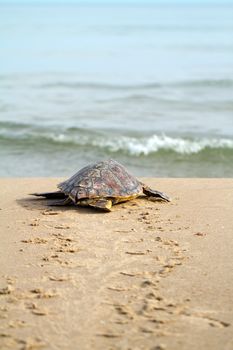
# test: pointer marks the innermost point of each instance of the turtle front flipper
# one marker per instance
(156, 194)
(51, 195)
(101, 203)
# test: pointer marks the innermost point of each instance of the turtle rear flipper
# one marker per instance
(51, 195)
(102, 204)
(62, 203)
(156, 194)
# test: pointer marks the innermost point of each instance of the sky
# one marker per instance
(220, 2)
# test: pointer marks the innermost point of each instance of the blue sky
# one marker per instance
(221, 2)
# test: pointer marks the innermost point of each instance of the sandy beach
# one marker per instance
(148, 275)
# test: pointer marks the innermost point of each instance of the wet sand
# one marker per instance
(148, 275)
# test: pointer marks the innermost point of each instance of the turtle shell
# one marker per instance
(103, 179)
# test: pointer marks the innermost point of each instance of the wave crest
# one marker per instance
(24, 134)
(145, 146)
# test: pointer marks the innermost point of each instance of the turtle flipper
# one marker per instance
(156, 194)
(101, 203)
(62, 203)
(51, 195)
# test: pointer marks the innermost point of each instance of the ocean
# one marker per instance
(150, 85)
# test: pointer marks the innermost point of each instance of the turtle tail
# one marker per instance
(156, 194)
(51, 195)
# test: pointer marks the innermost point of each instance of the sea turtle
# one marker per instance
(101, 185)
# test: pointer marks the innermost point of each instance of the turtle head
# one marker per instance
(156, 194)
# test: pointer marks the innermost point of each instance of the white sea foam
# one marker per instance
(146, 146)
(156, 143)
(114, 143)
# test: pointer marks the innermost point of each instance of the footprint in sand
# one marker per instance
(40, 293)
(6, 290)
(36, 240)
(37, 310)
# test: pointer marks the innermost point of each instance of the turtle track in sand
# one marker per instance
(119, 268)
(98, 280)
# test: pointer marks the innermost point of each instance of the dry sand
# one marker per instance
(148, 275)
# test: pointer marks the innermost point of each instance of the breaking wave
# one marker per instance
(156, 143)
(32, 136)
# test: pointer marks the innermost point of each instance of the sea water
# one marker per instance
(148, 84)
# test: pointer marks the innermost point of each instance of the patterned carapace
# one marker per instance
(103, 179)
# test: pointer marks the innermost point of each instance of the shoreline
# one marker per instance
(148, 275)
